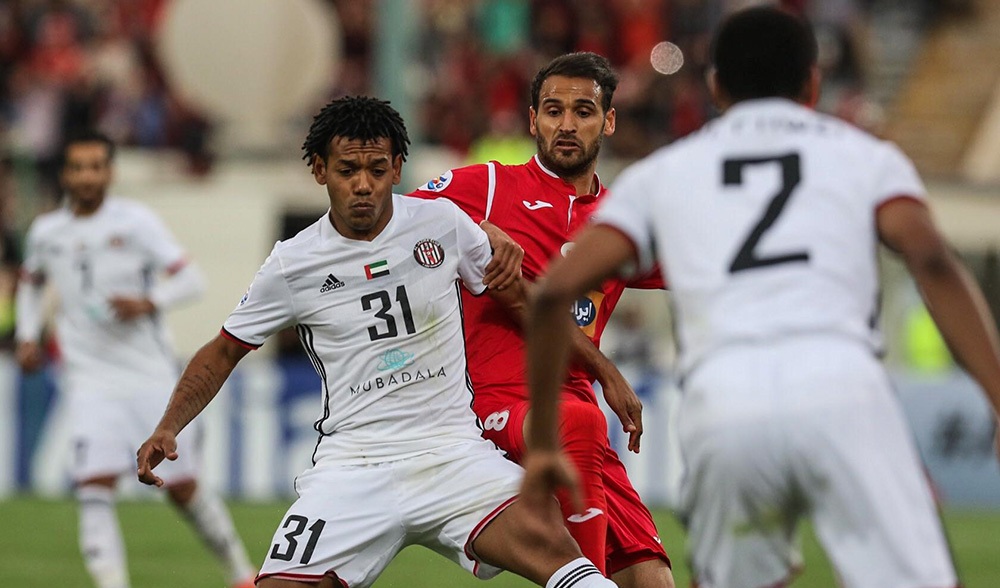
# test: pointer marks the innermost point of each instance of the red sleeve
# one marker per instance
(650, 281)
(468, 187)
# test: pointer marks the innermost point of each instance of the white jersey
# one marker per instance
(382, 323)
(764, 224)
(117, 251)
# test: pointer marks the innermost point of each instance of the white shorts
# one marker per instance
(352, 520)
(108, 429)
(806, 427)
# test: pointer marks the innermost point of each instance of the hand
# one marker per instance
(127, 309)
(30, 356)
(161, 445)
(505, 267)
(622, 399)
(544, 473)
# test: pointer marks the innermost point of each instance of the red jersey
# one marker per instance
(542, 213)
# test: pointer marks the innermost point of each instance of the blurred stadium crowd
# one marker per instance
(66, 64)
(71, 63)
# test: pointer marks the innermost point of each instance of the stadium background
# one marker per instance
(210, 100)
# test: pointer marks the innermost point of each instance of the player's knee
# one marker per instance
(554, 541)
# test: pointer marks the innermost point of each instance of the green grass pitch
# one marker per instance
(38, 549)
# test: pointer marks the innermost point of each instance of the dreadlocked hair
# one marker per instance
(355, 117)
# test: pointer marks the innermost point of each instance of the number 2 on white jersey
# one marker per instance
(791, 175)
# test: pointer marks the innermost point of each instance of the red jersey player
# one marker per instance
(541, 204)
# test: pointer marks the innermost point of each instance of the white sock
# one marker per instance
(101, 538)
(579, 573)
(210, 518)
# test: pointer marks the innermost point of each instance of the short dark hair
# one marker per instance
(583, 64)
(86, 136)
(355, 117)
(763, 52)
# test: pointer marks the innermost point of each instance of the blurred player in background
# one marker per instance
(103, 256)
(767, 222)
(373, 290)
(541, 204)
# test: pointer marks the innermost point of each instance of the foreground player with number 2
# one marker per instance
(372, 289)
(767, 223)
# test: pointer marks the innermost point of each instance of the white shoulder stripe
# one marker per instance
(491, 188)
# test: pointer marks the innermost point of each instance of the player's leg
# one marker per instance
(541, 551)
(738, 498)
(584, 435)
(344, 525)
(874, 511)
(211, 520)
(462, 502)
(101, 542)
(101, 453)
(635, 557)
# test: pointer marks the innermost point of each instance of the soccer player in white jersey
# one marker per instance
(105, 257)
(373, 290)
(767, 222)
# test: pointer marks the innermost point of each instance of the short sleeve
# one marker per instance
(897, 177)
(468, 187)
(627, 209)
(158, 242)
(474, 253)
(265, 309)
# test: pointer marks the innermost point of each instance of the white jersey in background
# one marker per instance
(117, 251)
(764, 222)
(381, 321)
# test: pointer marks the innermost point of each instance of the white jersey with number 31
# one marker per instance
(381, 321)
(764, 223)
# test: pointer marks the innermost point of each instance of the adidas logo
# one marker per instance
(332, 283)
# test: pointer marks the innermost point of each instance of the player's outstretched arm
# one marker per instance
(598, 252)
(952, 296)
(201, 381)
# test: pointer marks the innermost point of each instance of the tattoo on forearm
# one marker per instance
(197, 387)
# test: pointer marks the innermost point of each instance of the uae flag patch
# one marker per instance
(377, 269)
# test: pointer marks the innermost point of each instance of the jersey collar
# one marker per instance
(551, 178)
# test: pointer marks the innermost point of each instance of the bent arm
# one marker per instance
(184, 285)
(953, 298)
(201, 381)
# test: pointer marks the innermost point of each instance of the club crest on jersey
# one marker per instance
(428, 253)
(439, 183)
(246, 296)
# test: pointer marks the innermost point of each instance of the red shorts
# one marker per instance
(632, 536)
